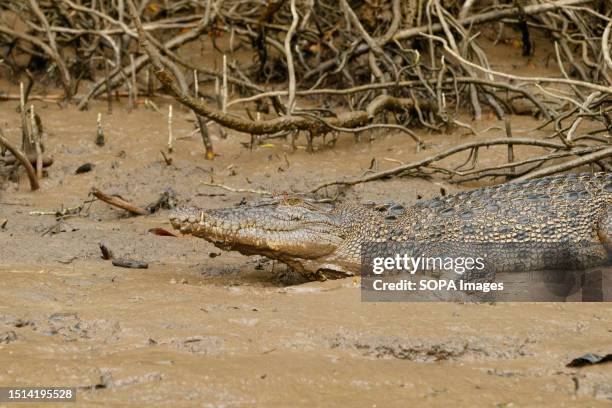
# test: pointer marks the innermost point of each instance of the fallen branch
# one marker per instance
(118, 202)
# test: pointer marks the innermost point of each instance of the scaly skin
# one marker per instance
(550, 223)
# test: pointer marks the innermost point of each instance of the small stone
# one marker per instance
(84, 168)
(130, 263)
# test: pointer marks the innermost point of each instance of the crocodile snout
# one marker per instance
(183, 218)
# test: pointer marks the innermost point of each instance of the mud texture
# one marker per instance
(201, 327)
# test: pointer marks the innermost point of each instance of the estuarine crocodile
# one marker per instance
(555, 222)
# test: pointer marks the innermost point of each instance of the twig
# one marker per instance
(439, 156)
(583, 109)
(580, 161)
(557, 155)
(237, 190)
(118, 202)
(167, 159)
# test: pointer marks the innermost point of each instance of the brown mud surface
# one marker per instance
(221, 330)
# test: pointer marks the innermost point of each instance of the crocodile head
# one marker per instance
(316, 240)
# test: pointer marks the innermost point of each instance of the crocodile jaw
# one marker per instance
(306, 238)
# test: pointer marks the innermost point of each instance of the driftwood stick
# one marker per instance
(118, 202)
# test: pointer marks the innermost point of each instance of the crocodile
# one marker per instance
(555, 222)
